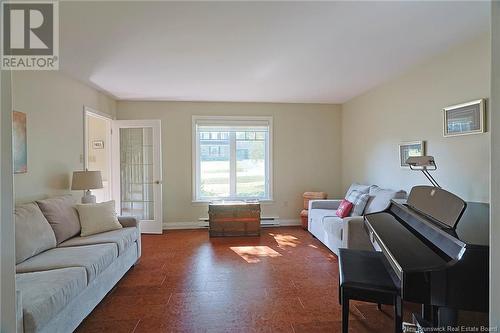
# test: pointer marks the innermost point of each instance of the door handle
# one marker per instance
(158, 182)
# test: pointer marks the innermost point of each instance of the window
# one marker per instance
(232, 158)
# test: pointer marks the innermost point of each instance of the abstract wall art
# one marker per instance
(465, 118)
(19, 142)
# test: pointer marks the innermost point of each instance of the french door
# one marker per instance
(137, 172)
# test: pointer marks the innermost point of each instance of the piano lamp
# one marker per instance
(86, 181)
(424, 164)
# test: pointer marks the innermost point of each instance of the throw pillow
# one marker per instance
(62, 216)
(97, 218)
(357, 187)
(33, 233)
(359, 200)
(344, 209)
(380, 199)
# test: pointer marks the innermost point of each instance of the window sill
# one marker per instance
(206, 202)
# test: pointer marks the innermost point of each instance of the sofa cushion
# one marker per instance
(94, 258)
(33, 233)
(357, 187)
(380, 199)
(123, 238)
(62, 216)
(45, 294)
(97, 218)
(359, 200)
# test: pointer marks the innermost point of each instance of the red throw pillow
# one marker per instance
(344, 209)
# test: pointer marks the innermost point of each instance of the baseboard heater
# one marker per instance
(265, 221)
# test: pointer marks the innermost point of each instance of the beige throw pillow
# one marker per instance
(97, 218)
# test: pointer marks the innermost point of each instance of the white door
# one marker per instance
(137, 172)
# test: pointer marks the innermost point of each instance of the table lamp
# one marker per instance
(424, 164)
(86, 181)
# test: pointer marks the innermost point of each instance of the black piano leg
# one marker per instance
(345, 314)
(398, 314)
(435, 315)
(429, 313)
(426, 311)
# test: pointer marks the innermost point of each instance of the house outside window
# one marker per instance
(232, 158)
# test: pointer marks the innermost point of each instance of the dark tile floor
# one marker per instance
(283, 281)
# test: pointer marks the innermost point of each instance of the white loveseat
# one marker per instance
(348, 232)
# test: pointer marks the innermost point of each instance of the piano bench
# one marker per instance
(364, 277)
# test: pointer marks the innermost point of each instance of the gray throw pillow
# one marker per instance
(380, 199)
(357, 187)
(62, 216)
(359, 200)
(33, 232)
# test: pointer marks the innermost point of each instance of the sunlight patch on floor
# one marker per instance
(285, 240)
(252, 254)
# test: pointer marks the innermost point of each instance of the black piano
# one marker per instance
(437, 248)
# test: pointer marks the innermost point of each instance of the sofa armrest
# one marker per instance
(324, 204)
(131, 222)
(128, 221)
(354, 235)
(19, 312)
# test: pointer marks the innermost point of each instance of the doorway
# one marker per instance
(97, 150)
(128, 154)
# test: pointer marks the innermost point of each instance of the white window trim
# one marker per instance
(195, 174)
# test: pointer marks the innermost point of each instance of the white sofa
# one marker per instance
(348, 232)
(59, 284)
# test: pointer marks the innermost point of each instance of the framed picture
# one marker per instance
(19, 142)
(98, 144)
(465, 118)
(407, 149)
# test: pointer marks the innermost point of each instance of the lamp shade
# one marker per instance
(421, 161)
(86, 180)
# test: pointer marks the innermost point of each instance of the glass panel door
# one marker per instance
(136, 173)
(138, 163)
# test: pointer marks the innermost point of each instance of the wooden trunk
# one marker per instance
(234, 219)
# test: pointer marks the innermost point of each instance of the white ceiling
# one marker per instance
(321, 52)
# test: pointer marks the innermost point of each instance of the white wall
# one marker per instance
(7, 245)
(495, 167)
(408, 108)
(306, 151)
(54, 104)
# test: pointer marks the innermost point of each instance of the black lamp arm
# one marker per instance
(425, 171)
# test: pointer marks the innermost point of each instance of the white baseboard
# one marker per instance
(203, 224)
(183, 225)
(289, 222)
